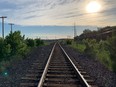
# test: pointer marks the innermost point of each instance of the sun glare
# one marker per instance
(93, 7)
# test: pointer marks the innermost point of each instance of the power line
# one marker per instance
(3, 25)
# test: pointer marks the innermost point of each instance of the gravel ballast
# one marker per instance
(19, 69)
(102, 76)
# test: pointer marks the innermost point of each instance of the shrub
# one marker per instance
(39, 42)
(90, 47)
(68, 42)
(112, 49)
(80, 47)
(30, 42)
(16, 42)
(4, 50)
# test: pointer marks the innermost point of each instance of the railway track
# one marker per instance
(60, 71)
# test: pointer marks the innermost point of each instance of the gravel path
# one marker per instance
(102, 76)
(20, 68)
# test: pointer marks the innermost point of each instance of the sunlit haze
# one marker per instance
(93, 7)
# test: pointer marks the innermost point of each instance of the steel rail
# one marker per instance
(46, 68)
(79, 74)
(82, 80)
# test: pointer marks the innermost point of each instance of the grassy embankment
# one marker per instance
(95, 51)
(103, 51)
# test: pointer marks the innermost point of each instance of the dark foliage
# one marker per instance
(103, 49)
(68, 42)
(30, 42)
(14, 44)
(39, 42)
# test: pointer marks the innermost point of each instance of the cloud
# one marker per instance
(7, 5)
(55, 12)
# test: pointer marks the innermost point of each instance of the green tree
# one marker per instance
(112, 49)
(30, 42)
(4, 50)
(86, 31)
(39, 42)
(1, 48)
(16, 42)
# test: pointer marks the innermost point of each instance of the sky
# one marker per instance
(55, 18)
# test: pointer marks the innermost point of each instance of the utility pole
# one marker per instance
(11, 24)
(3, 25)
(75, 32)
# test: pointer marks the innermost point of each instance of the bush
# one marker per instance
(90, 49)
(30, 42)
(39, 42)
(112, 49)
(68, 42)
(4, 50)
(14, 47)
(103, 54)
(80, 47)
(16, 42)
(103, 51)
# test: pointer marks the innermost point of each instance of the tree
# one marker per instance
(4, 50)
(30, 42)
(39, 42)
(16, 42)
(86, 31)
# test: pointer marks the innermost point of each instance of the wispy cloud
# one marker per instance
(56, 12)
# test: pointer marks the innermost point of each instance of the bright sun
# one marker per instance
(93, 7)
